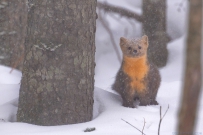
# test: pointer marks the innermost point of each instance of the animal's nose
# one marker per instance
(134, 51)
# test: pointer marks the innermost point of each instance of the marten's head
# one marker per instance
(134, 47)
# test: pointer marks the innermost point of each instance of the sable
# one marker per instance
(137, 79)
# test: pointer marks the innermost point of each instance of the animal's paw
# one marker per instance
(154, 103)
(130, 105)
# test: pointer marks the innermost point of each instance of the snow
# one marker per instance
(108, 110)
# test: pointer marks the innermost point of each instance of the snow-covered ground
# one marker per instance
(108, 111)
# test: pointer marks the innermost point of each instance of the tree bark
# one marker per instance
(13, 21)
(58, 75)
(193, 79)
(154, 26)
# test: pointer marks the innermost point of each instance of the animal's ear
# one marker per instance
(145, 40)
(123, 41)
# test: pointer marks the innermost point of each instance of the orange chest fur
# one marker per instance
(136, 69)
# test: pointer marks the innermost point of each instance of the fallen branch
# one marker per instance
(161, 118)
(121, 11)
(90, 129)
(134, 126)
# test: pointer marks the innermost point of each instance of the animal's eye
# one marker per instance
(129, 48)
(135, 51)
(139, 47)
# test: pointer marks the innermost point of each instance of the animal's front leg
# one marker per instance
(128, 98)
(144, 99)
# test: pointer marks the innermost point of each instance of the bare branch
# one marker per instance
(121, 11)
(133, 126)
(111, 36)
(165, 112)
(143, 126)
(159, 122)
(161, 118)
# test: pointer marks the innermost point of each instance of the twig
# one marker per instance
(111, 36)
(133, 126)
(121, 11)
(143, 126)
(161, 118)
(19, 60)
(17, 63)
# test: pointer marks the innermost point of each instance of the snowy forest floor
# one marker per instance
(108, 111)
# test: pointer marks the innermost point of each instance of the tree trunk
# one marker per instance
(58, 75)
(13, 20)
(193, 79)
(154, 26)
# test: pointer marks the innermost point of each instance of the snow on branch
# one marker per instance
(121, 11)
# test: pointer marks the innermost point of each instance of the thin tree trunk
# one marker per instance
(13, 21)
(154, 26)
(193, 79)
(58, 74)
